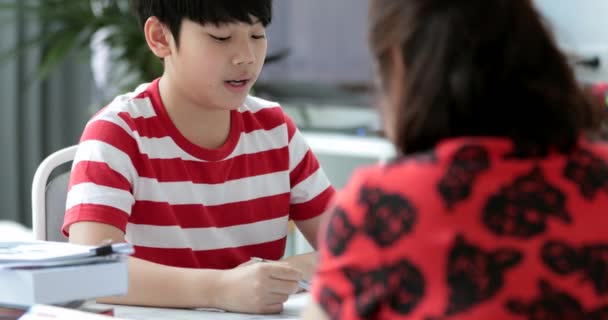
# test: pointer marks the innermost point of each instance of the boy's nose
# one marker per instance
(244, 55)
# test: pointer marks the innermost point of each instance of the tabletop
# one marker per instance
(292, 310)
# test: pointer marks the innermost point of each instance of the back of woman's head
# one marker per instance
(475, 68)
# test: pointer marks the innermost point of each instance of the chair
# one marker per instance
(49, 193)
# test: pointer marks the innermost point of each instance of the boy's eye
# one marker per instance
(257, 37)
(221, 39)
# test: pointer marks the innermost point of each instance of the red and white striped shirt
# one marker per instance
(183, 205)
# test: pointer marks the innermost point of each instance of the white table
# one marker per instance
(292, 310)
(12, 231)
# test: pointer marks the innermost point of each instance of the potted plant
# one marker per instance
(120, 56)
(73, 25)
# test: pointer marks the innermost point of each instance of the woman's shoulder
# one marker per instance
(405, 174)
(599, 148)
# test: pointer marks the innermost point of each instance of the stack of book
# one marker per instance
(42, 272)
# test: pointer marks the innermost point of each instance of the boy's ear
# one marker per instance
(158, 37)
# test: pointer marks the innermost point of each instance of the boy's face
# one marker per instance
(216, 66)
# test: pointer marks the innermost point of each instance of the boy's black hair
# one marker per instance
(217, 12)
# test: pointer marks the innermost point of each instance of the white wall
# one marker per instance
(328, 41)
(580, 26)
(36, 118)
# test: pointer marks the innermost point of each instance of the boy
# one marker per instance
(196, 174)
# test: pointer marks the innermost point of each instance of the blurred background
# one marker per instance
(62, 60)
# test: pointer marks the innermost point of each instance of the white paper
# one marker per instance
(43, 254)
(44, 312)
(41, 251)
(291, 310)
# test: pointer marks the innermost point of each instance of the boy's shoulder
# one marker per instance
(264, 113)
(254, 104)
(136, 104)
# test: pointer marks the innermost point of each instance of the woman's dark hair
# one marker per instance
(217, 12)
(477, 68)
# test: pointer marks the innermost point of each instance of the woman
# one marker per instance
(497, 207)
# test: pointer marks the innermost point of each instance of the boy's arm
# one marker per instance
(311, 193)
(310, 228)
(150, 283)
(307, 262)
(258, 288)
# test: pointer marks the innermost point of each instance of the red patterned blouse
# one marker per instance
(475, 229)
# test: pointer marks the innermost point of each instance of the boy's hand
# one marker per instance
(306, 263)
(257, 288)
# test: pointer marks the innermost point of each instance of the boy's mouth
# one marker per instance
(237, 86)
(238, 83)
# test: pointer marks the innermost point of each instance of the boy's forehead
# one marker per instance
(253, 20)
(232, 23)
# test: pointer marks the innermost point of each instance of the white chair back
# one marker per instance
(48, 197)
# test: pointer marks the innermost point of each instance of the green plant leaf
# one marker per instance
(57, 53)
(69, 25)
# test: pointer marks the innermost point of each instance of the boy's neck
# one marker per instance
(206, 127)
